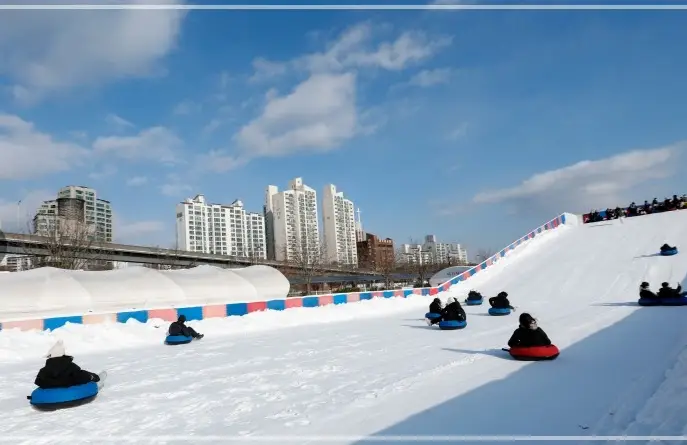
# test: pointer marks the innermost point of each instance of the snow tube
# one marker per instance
(178, 340)
(499, 311)
(534, 353)
(669, 252)
(432, 315)
(678, 301)
(474, 302)
(54, 398)
(452, 325)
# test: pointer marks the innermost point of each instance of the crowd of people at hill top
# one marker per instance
(656, 206)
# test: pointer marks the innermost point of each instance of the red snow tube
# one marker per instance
(534, 352)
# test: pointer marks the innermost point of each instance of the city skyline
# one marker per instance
(475, 126)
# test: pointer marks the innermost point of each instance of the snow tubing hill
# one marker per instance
(54, 398)
(432, 315)
(678, 301)
(534, 353)
(178, 340)
(499, 311)
(669, 252)
(474, 302)
(452, 325)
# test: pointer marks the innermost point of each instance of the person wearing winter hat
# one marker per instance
(454, 311)
(179, 328)
(500, 301)
(646, 293)
(668, 292)
(60, 371)
(528, 333)
(435, 307)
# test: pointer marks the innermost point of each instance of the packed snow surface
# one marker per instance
(374, 368)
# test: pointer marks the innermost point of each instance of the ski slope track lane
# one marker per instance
(388, 374)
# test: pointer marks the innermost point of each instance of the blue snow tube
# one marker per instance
(178, 340)
(54, 398)
(432, 315)
(452, 325)
(499, 311)
(678, 301)
(474, 302)
(669, 252)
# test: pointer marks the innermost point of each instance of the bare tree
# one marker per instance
(308, 256)
(389, 265)
(69, 245)
(483, 254)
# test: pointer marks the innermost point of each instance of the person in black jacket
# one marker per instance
(435, 307)
(666, 247)
(646, 293)
(500, 301)
(668, 292)
(474, 296)
(179, 328)
(528, 334)
(454, 311)
(60, 371)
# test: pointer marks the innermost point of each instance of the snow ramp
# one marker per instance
(377, 372)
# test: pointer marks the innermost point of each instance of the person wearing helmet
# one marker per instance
(435, 307)
(528, 334)
(500, 301)
(668, 292)
(179, 328)
(453, 311)
(646, 293)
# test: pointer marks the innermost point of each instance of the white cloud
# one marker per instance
(16, 215)
(588, 184)
(27, 153)
(318, 115)
(136, 181)
(458, 132)
(219, 161)
(47, 51)
(118, 121)
(106, 172)
(186, 107)
(175, 187)
(428, 78)
(264, 69)
(153, 144)
(354, 49)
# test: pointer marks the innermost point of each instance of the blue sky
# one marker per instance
(472, 125)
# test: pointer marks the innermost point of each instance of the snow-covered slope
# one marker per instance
(377, 369)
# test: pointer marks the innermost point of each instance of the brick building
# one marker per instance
(375, 253)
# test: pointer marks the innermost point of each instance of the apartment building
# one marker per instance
(339, 227)
(292, 223)
(220, 229)
(375, 253)
(74, 215)
(97, 211)
(434, 252)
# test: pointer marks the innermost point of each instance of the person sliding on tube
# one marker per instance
(500, 301)
(646, 293)
(179, 328)
(668, 292)
(60, 371)
(454, 311)
(474, 296)
(435, 307)
(528, 334)
(666, 247)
